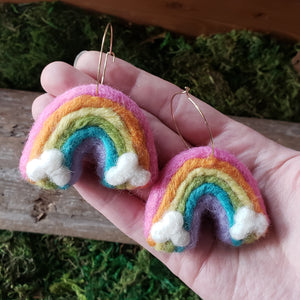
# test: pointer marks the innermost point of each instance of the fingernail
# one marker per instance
(77, 57)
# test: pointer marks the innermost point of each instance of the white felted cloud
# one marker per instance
(35, 170)
(170, 227)
(247, 221)
(127, 170)
(50, 164)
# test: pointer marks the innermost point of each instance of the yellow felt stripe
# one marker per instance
(235, 187)
(105, 113)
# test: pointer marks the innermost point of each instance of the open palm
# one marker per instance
(267, 269)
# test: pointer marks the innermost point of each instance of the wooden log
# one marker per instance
(195, 17)
(24, 207)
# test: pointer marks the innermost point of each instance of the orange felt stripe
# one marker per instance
(210, 163)
(150, 241)
(132, 124)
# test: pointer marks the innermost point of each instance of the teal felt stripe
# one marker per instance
(204, 189)
(79, 136)
(196, 194)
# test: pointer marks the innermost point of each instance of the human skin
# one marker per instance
(267, 269)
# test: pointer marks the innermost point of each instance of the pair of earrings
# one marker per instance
(100, 120)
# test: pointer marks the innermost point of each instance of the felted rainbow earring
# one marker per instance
(198, 180)
(91, 119)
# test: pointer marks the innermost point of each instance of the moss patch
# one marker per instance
(46, 267)
(240, 73)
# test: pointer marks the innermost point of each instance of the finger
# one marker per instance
(40, 103)
(154, 94)
(58, 77)
(149, 92)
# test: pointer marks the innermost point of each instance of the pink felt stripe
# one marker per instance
(158, 191)
(104, 92)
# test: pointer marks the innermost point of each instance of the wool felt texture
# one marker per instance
(101, 117)
(90, 132)
(192, 222)
(210, 204)
(128, 170)
(89, 148)
(184, 184)
(170, 227)
(49, 164)
(68, 121)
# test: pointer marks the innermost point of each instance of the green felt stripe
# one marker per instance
(166, 247)
(90, 120)
(197, 181)
(47, 184)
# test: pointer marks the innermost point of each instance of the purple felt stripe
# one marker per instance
(90, 146)
(209, 203)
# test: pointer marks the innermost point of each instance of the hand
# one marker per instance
(267, 269)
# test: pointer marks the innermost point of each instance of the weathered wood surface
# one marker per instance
(27, 208)
(195, 17)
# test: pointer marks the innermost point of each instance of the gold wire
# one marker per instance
(186, 92)
(108, 53)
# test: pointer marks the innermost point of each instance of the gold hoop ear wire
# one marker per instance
(186, 92)
(108, 53)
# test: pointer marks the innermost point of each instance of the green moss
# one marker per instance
(244, 73)
(51, 267)
(240, 73)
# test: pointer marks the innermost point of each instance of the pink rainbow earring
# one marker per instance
(203, 179)
(91, 119)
